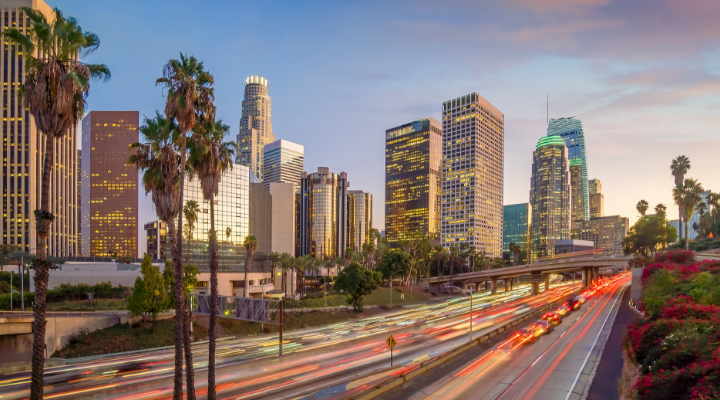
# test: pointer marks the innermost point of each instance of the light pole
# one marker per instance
(22, 280)
(471, 312)
(391, 275)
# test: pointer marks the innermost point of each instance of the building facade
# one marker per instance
(322, 214)
(517, 221)
(24, 152)
(283, 162)
(573, 135)
(550, 195)
(79, 208)
(255, 125)
(607, 233)
(156, 236)
(472, 174)
(567, 246)
(597, 200)
(110, 185)
(413, 160)
(283, 217)
(359, 219)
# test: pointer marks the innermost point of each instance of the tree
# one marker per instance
(250, 245)
(439, 256)
(368, 249)
(191, 210)
(148, 295)
(55, 90)
(209, 159)
(189, 279)
(678, 168)
(642, 207)
(454, 253)
(159, 160)
(687, 197)
(189, 101)
(515, 251)
(300, 264)
(661, 210)
(228, 232)
(713, 200)
(357, 282)
(349, 254)
(396, 262)
(648, 234)
(274, 258)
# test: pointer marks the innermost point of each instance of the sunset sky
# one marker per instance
(643, 76)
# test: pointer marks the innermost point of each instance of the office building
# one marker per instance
(550, 195)
(79, 208)
(110, 184)
(517, 221)
(156, 236)
(322, 214)
(359, 219)
(472, 177)
(597, 200)
(607, 233)
(255, 125)
(413, 160)
(573, 135)
(567, 246)
(284, 161)
(283, 217)
(24, 154)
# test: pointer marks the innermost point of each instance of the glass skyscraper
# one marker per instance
(550, 195)
(359, 218)
(255, 125)
(572, 133)
(413, 156)
(517, 221)
(322, 219)
(284, 162)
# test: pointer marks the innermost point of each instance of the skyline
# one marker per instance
(627, 76)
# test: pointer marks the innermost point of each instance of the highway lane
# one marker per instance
(547, 369)
(110, 375)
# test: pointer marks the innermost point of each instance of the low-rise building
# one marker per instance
(567, 246)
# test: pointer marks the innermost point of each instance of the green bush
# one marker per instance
(5, 301)
(67, 292)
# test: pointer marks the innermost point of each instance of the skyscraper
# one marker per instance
(573, 135)
(322, 214)
(550, 195)
(359, 218)
(517, 221)
(413, 159)
(255, 125)
(283, 162)
(79, 208)
(110, 184)
(472, 177)
(24, 153)
(607, 233)
(597, 200)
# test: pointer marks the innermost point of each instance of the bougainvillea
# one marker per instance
(675, 257)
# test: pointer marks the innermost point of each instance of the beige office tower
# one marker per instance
(359, 219)
(597, 200)
(24, 152)
(255, 125)
(607, 233)
(472, 174)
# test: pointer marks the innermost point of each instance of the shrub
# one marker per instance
(676, 257)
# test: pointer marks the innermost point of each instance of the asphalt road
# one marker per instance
(550, 368)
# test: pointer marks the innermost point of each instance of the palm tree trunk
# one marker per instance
(439, 284)
(213, 255)
(680, 218)
(179, 343)
(687, 240)
(43, 222)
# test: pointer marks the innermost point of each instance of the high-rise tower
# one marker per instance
(359, 219)
(472, 174)
(573, 135)
(597, 200)
(110, 184)
(413, 159)
(550, 195)
(283, 162)
(255, 125)
(24, 153)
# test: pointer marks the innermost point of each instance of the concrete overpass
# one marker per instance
(590, 267)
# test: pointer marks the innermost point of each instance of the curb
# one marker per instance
(393, 382)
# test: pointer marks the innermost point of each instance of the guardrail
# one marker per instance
(632, 306)
(54, 314)
(395, 381)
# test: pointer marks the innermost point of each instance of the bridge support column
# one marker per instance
(493, 286)
(535, 288)
(547, 282)
(584, 278)
(596, 275)
(512, 282)
(507, 285)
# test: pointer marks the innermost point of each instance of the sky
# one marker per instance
(643, 76)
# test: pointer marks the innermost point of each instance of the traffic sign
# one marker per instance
(391, 342)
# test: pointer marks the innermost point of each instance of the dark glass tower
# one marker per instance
(572, 133)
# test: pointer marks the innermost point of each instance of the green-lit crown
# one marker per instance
(549, 140)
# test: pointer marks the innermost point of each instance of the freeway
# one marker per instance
(329, 356)
(555, 366)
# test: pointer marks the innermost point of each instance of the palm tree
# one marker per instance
(55, 90)
(687, 197)
(209, 159)
(250, 244)
(189, 101)
(368, 249)
(191, 210)
(160, 161)
(228, 232)
(349, 255)
(274, 259)
(454, 254)
(642, 207)
(679, 168)
(713, 200)
(439, 255)
(515, 251)
(661, 209)
(286, 263)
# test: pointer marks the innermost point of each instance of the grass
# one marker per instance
(124, 337)
(84, 305)
(293, 321)
(628, 378)
(379, 297)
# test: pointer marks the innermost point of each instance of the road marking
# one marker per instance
(563, 334)
(538, 359)
(593, 346)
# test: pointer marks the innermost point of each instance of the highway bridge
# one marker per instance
(539, 271)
